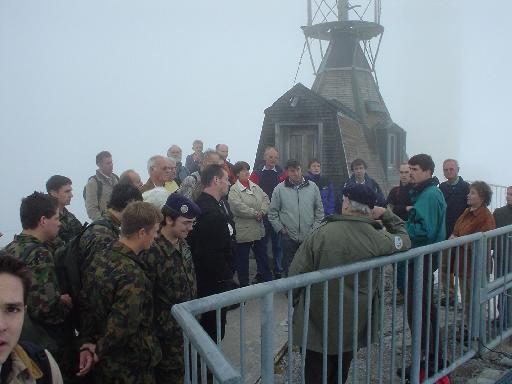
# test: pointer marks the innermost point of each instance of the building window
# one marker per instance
(392, 150)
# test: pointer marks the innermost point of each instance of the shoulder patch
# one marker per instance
(398, 242)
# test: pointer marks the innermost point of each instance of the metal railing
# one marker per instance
(442, 337)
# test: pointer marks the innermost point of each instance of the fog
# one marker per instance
(134, 77)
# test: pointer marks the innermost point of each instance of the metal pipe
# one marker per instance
(369, 326)
(242, 340)
(325, 325)
(417, 293)
(267, 339)
(305, 332)
(355, 320)
(341, 292)
(310, 17)
(290, 335)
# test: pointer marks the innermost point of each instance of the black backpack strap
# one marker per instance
(99, 189)
(38, 356)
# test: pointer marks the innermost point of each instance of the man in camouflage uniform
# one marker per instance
(48, 322)
(105, 230)
(171, 268)
(118, 294)
(60, 187)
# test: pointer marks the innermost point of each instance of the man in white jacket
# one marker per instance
(295, 210)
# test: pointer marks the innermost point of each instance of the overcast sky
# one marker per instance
(134, 77)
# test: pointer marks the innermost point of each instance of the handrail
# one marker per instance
(483, 291)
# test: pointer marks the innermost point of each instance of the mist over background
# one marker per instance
(134, 77)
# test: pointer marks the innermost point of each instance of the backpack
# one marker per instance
(99, 189)
(67, 261)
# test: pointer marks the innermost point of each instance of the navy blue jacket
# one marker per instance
(456, 197)
(381, 200)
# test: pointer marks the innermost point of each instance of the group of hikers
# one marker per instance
(92, 301)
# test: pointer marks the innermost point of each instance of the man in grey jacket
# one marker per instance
(295, 210)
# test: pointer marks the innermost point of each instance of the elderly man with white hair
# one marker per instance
(162, 172)
(354, 235)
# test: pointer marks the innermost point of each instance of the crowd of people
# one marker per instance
(94, 299)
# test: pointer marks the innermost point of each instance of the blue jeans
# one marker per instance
(242, 261)
(290, 247)
(277, 255)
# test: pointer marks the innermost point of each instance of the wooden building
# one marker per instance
(343, 116)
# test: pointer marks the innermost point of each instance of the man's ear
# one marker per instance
(140, 233)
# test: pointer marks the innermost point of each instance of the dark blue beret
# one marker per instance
(182, 205)
(360, 193)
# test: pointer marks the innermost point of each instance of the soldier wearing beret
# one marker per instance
(343, 239)
(172, 271)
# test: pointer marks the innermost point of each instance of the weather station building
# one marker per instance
(343, 116)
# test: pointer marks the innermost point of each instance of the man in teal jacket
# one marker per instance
(426, 225)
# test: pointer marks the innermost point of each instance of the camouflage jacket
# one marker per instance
(118, 313)
(70, 226)
(97, 237)
(172, 270)
(44, 303)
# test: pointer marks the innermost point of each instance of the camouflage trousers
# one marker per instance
(171, 367)
(107, 372)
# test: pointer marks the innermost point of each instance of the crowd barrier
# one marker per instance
(473, 319)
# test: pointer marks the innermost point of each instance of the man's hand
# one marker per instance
(66, 299)
(408, 208)
(259, 216)
(377, 212)
(283, 231)
(87, 358)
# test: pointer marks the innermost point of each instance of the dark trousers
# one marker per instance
(290, 247)
(400, 276)
(271, 235)
(314, 367)
(432, 325)
(242, 261)
(209, 323)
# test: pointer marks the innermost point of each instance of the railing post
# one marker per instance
(417, 308)
(267, 339)
(480, 262)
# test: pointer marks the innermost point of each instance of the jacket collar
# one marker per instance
(420, 187)
(125, 251)
(242, 188)
(360, 219)
(21, 363)
(305, 183)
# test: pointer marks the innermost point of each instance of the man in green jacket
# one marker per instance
(426, 225)
(340, 240)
